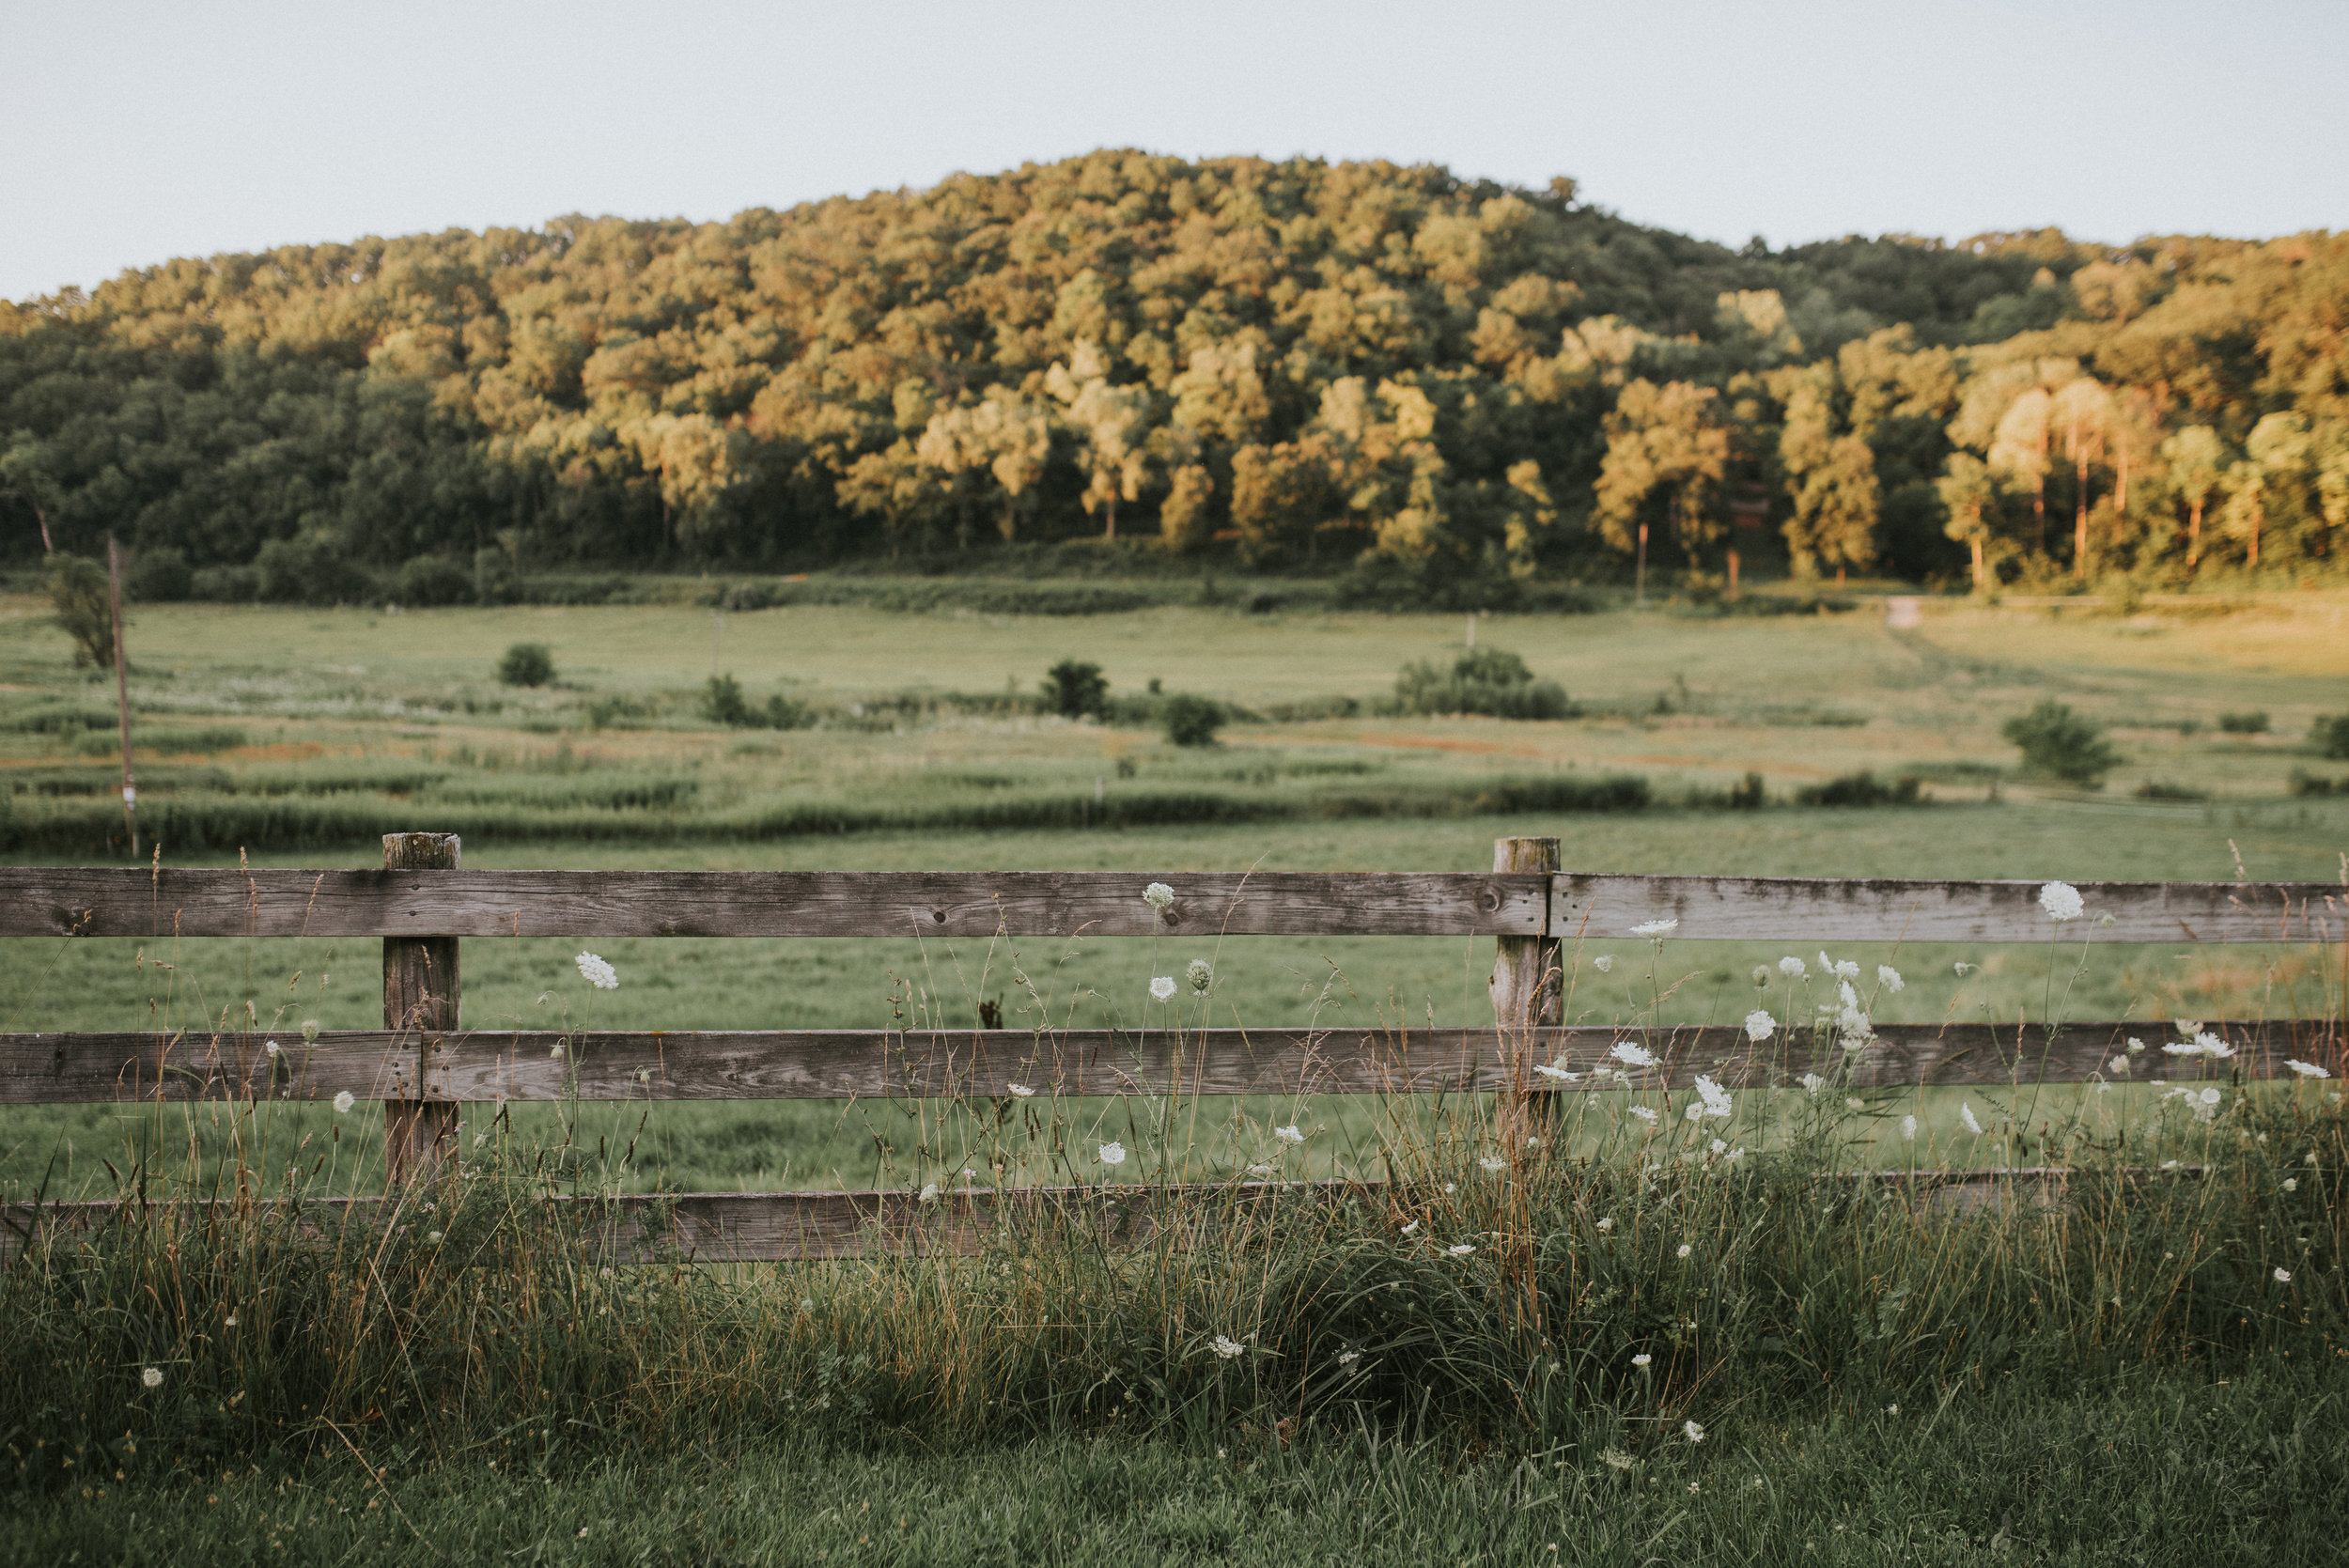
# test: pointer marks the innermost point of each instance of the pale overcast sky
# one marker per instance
(131, 134)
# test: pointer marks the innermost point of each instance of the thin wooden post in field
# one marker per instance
(420, 998)
(1527, 992)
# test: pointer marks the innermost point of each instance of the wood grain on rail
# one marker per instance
(522, 1066)
(1883, 909)
(101, 902)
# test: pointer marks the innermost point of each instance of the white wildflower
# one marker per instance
(555, 1049)
(1261, 1170)
(1812, 1083)
(1603, 962)
(1719, 1147)
(230, 1320)
(1226, 1348)
(1159, 896)
(1852, 1102)
(1642, 1358)
(2187, 1027)
(309, 1031)
(2283, 1276)
(271, 1048)
(1849, 997)
(1694, 1432)
(1717, 1100)
(1964, 969)
(1201, 974)
(1409, 1227)
(1348, 1358)
(1735, 1155)
(152, 1377)
(343, 1101)
(2119, 1063)
(2061, 901)
(596, 973)
(431, 1237)
(1462, 1251)
(1019, 1090)
(1493, 1163)
(1792, 967)
(1909, 1128)
(2306, 1069)
(1556, 1075)
(1841, 969)
(1695, 1112)
(1290, 1134)
(1644, 1113)
(1636, 1056)
(1685, 1250)
(1966, 1114)
(1163, 987)
(1615, 1459)
(1889, 978)
(2292, 1183)
(1656, 928)
(2137, 1046)
(1113, 1154)
(2213, 1046)
(1760, 1026)
(931, 1192)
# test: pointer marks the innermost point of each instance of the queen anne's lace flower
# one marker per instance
(1642, 1358)
(1019, 1090)
(1760, 1026)
(1113, 1154)
(1656, 928)
(1644, 1113)
(152, 1377)
(343, 1101)
(2283, 1276)
(1558, 1074)
(596, 973)
(1636, 1056)
(1889, 978)
(1163, 987)
(1694, 1432)
(1792, 967)
(1908, 1127)
(1462, 1251)
(1494, 1164)
(1715, 1098)
(1966, 1114)
(2306, 1069)
(1159, 896)
(1604, 962)
(1226, 1348)
(1290, 1134)
(2061, 901)
(929, 1192)
(1685, 1250)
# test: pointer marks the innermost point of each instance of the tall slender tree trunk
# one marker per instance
(1975, 541)
(2194, 537)
(2079, 523)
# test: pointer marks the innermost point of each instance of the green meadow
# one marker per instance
(1872, 1379)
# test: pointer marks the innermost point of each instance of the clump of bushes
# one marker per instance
(1859, 789)
(526, 664)
(2243, 724)
(723, 700)
(2329, 735)
(2058, 743)
(1483, 680)
(1192, 721)
(429, 580)
(1076, 688)
(159, 577)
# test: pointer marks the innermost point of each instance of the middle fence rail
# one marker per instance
(424, 1065)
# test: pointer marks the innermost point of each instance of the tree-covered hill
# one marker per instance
(1288, 365)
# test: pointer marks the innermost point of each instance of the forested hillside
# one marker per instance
(1285, 365)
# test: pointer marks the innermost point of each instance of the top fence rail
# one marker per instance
(42, 901)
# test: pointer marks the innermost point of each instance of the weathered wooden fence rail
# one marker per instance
(423, 1065)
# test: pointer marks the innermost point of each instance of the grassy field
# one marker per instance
(300, 735)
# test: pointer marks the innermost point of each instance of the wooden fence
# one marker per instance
(425, 1066)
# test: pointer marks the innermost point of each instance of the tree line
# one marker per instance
(1290, 366)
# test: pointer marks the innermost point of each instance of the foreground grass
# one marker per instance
(2166, 1467)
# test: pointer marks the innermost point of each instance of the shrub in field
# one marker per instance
(1859, 789)
(159, 577)
(2315, 785)
(494, 579)
(2329, 735)
(85, 607)
(526, 664)
(723, 700)
(2058, 743)
(1075, 688)
(432, 580)
(2243, 724)
(1192, 721)
(1485, 680)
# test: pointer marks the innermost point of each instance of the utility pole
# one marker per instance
(122, 695)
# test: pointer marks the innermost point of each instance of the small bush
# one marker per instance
(2058, 743)
(1192, 721)
(159, 577)
(2161, 789)
(526, 664)
(1486, 680)
(2243, 723)
(2316, 785)
(723, 700)
(1746, 795)
(1859, 789)
(433, 580)
(311, 569)
(1075, 688)
(2330, 737)
(84, 605)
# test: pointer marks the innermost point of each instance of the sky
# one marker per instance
(133, 132)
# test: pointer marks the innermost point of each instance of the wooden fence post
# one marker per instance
(1528, 992)
(420, 998)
